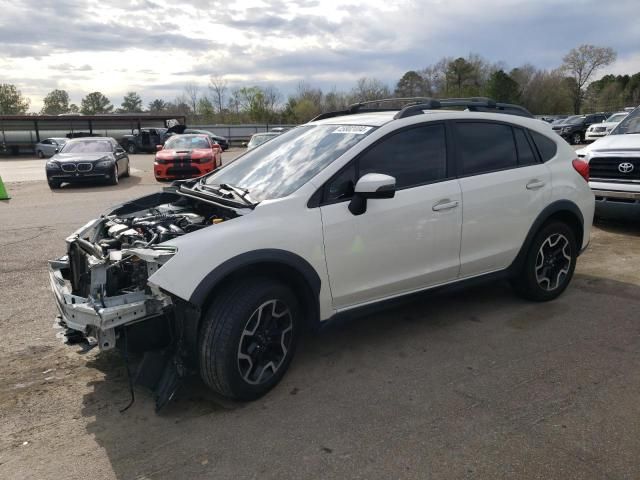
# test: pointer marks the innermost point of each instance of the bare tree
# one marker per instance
(192, 92)
(581, 63)
(369, 89)
(218, 88)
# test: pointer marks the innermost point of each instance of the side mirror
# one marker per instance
(57, 150)
(371, 185)
(158, 148)
(244, 144)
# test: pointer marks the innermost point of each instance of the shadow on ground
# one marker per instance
(463, 384)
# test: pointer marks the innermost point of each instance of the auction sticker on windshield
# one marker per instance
(353, 129)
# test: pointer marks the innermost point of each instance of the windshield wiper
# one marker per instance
(243, 193)
(235, 192)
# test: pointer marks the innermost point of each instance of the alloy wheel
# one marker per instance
(553, 262)
(265, 342)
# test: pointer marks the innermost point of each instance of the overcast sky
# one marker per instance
(155, 47)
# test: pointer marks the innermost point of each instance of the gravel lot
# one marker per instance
(467, 384)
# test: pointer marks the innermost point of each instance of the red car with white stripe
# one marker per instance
(186, 156)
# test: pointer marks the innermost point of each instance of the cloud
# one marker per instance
(157, 47)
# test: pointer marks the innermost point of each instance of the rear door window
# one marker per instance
(484, 147)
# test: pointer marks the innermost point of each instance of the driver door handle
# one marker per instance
(535, 184)
(444, 205)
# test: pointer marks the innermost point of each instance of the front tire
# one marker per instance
(115, 178)
(127, 172)
(549, 264)
(248, 338)
(53, 184)
(40, 154)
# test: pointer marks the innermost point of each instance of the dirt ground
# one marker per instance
(467, 384)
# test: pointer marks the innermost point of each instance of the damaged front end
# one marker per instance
(101, 285)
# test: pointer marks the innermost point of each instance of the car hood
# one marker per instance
(613, 143)
(78, 157)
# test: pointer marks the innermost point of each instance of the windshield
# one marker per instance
(616, 117)
(630, 124)
(88, 146)
(559, 121)
(186, 142)
(281, 166)
(574, 119)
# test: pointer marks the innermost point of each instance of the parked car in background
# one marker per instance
(146, 139)
(220, 140)
(186, 156)
(614, 164)
(222, 274)
(47, 147)
(260, 138)
(86, 160)
(574, 128)
(599, 130)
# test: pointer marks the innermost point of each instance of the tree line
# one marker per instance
(566, 89)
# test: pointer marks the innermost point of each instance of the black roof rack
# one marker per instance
(417, 105)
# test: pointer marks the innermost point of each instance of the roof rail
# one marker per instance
(357, 107)
(417, 106)
(473, 104)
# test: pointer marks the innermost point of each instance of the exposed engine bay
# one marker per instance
(101, 283)
(117, 236)
(101, 286)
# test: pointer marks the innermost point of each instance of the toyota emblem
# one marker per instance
(625, 167)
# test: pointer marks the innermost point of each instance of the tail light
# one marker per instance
(582, 168)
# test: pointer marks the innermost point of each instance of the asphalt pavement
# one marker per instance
(466, 384)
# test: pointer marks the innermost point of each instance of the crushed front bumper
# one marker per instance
(98, 318)
(98, 315)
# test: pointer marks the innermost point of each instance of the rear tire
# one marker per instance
(576, 138)
(131, 148)
(549, 264)
(248, 338)
(40, 154)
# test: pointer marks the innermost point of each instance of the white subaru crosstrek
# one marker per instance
(220, 274)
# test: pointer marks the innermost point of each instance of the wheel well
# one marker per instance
(564, 213)
(286, 274)
(570, 219)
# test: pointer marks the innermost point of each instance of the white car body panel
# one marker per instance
(500, 202)
(398, 245)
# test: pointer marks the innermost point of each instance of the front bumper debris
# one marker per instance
(99, 317)
(98, 314)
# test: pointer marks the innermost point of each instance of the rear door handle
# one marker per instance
(535, 184)
(444, 205)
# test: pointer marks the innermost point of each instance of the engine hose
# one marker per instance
(153, 239)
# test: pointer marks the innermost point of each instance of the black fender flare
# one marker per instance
(255, 257)
(559, 206)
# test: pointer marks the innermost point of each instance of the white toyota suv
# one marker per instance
(220, 274)
(614, 163)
